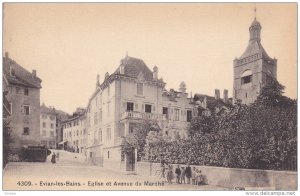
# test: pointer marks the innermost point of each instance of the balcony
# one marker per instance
(118, 140)
(142, 115)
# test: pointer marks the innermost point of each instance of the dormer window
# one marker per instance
(12, 71)
(140, 89)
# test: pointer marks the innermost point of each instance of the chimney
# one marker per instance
(122, 69)
(34, 73)
(106, 75)
(217, 94)
(155, 73)
(98, 81)
(225, 95)
(182, 87)
(6, 55)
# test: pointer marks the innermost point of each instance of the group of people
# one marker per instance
(183, 175)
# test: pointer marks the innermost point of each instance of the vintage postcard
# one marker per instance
(150, 96)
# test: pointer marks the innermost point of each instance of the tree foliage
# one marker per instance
(262, 135)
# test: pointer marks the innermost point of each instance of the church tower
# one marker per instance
(253, 69)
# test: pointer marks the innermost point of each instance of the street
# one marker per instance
(70, 173)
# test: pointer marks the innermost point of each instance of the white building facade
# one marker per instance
(132, 93)
(74, 134)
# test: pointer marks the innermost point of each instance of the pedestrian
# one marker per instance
(188, 173)
(57, 155)
(199, 177)
(162, 167)
(182, 175)
(177, 173)
(170, 174)
(53, 159)
(194, 176)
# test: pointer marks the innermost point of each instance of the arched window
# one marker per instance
(246, 77)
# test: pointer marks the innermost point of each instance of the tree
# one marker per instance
(137, 139)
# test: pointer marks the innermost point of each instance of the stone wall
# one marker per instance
(250, 179)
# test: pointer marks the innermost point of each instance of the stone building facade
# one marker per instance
(23, 95)
(253, 69)
(48, 127)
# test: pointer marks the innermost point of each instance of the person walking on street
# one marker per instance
(188, 173)
(53, 159)
(170, 174)
(182, 175)
(177, 173)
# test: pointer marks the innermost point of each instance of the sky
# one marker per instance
(70, 43)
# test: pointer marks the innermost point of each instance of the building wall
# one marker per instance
(250, 179)
(112, 101)
(19, 120)
(74, 132)
(48, 129)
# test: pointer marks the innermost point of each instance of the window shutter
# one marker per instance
(124, 106)
(136, 107)
(153, 108)
(143, 106)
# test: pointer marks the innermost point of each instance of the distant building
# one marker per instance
(253, 69)
(48, 127)
(74, 132)
(23, 95)
(60, 118)
(131, 94)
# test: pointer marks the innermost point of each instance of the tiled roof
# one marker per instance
(44, 109)
(21, 75)
(254, 47)
(133, 67)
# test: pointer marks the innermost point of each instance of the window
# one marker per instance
(96, 118)
(165, 111)
(52, 125)
(108, 134)
(139, 88)
(26, 109)
(17, 90)
(26, 131)
(100, 135)
(108, 112)
(44, 116)
(44, 133)
(44, 142)
(51, 143)
(51, 133)
(246, 79)
(77, 132)
(147, 108)
(176, 114)
(188, 115)
(26, 91)
(100, 115)
(108, 154)
(129, 106)
(12, 71)
(44, 125)
(52, 117)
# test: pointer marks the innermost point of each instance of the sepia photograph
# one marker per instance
(150, 96)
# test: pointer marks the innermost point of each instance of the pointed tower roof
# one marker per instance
(254, 45)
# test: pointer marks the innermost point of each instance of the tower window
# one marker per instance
(246, 79)
(26, 131)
